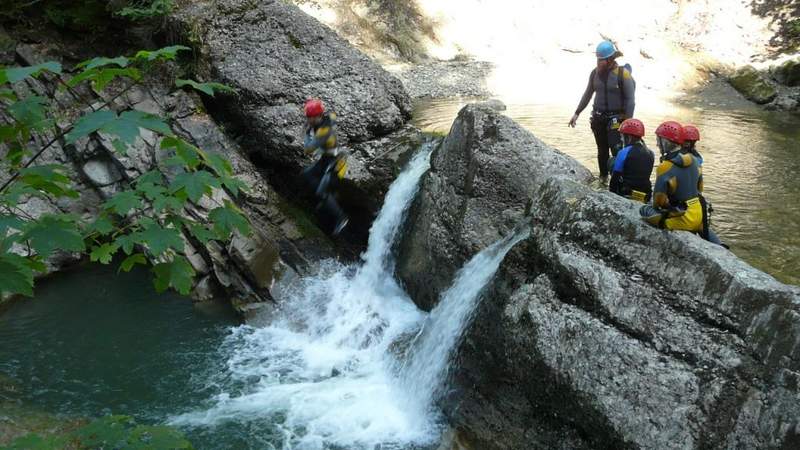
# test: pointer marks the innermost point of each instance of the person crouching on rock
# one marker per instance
(613, 89)
(677, 200)
(324, 175)
(633, 165)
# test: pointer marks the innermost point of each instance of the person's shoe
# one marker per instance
(340, 226)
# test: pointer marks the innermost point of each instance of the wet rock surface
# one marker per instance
(599, 331)
(276, 57)
(753, 85)
(475, 192)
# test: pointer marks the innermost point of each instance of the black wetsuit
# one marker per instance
(611, 106)
(631, 171)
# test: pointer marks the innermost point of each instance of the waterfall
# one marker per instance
(427, 364)
(324, 373)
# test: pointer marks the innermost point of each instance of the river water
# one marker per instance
(751, 166)
(347, 362)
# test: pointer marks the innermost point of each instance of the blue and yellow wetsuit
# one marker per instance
(322, 136)
(676, 195)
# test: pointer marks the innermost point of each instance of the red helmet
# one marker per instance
(314, 107)
(671, 130)
(633, 127)
(691, 133)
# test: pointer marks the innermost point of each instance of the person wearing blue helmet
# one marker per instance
(613, 89)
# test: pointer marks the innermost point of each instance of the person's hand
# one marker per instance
(573, 120)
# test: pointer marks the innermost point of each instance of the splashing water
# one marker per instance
(324, 373)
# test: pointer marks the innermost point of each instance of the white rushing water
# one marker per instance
(324, 374)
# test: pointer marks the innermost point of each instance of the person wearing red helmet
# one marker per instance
(633, 165)
(679, 182)
(613, 89)
(691, 136)
(324, 175)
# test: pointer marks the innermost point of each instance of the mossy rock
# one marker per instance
(788, 73)
(750, 83)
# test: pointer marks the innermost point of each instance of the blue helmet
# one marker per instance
(605, 50)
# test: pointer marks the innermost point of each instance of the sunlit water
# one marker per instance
(752, 160)
(348, 362)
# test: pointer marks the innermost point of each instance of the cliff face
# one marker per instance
(600, 331)
(275, 56)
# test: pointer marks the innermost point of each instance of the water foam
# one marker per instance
(325, 373)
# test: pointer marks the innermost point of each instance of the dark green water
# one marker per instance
(94, 343)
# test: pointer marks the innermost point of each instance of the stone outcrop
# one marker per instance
(245, 270)
(276, 57)
(787, 73)
(753, 85)
(475, 191)
(599, 331)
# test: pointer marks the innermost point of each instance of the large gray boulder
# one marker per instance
(602, 332)
(475, 191)
(276, 56)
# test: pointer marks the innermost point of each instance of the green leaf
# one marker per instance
(120, 61)
(8, 221)
(123, 202)
(130, 261)
(177, 274)
(8, 94)
(206, 88)
(126, 243)
(36, 264)
(159, 239)
(125, 126)
(30, 112)
(234, 185)
(194, 184)
(151, 177)
(202, 234)
(219, 164)
(16, 153)
(101, 225)
(52, 232)
(90, 123)
(15, 276)
(128, 124)
(48, 178)
(188, 154)
(103, 253)
(227, 219)
(8, 133)
(20, 73)
(166, 53)
(168, 203)
(151, 191)
(101, 76)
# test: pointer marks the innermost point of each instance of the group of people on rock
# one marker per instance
(676, 201)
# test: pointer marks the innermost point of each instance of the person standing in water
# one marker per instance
(613, 89)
